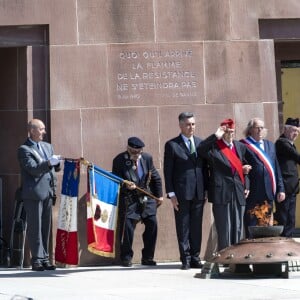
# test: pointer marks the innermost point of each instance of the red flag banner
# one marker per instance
(66, 249)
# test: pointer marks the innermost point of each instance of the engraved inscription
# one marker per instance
(165, 73)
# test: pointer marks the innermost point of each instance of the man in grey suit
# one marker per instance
(38, 181)
(184, 181)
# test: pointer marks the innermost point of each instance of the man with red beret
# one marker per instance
(289, 159)
(228, 182)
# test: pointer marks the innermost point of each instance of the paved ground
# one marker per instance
(165, 281)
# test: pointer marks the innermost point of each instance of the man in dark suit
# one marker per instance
(265, 177)
(289, 159)
(38, 181)
(228, 182)
(137, 167)
(184, 182)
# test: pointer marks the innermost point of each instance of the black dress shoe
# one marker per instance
(185, 266)
(126, 263)
(48, 266)
(196, 265)
(148, 262)
(37, 266)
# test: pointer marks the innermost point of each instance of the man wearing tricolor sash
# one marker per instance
(266, 182)
(228, 182)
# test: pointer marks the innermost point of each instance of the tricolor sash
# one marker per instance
(264, 159)
(233, 159)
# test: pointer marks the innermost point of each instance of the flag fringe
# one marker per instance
(92, 249)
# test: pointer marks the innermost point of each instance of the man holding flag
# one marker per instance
(38, 165)
(135, 205)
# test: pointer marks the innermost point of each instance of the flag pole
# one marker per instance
(141, 190)
(87, 163)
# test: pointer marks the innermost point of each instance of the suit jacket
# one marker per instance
(184, 172)
(223, 184)
(130, 201)
(38, 179)
(260, 183)
(288, 159)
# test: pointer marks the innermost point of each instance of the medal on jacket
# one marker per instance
(128, 161)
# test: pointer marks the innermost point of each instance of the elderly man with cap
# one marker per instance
(137, 167)
(228, 182)
(266, 183)
(288, 159)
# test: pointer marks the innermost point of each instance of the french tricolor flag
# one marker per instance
(66, 249)
(102, 211)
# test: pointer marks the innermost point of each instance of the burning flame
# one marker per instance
(263, 214)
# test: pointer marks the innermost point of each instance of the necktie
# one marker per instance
(42, 151)
(192, 146)
(136, 170)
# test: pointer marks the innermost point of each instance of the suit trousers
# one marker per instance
(189, 229)
(285, 214)
(149, 238)
(38, 218)
(229, 223)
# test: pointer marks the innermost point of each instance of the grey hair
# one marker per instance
(31, 125)
(185, 115)
(250, 125)
(34, 123)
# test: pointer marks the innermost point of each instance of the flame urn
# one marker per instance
(258, 257)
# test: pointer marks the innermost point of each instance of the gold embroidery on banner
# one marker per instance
(104, 216)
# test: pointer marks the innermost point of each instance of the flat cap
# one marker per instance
(292, 122)
(135, 142)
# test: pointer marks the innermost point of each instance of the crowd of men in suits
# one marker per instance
(235, 176)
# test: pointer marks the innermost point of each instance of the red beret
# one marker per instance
(229, 123)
